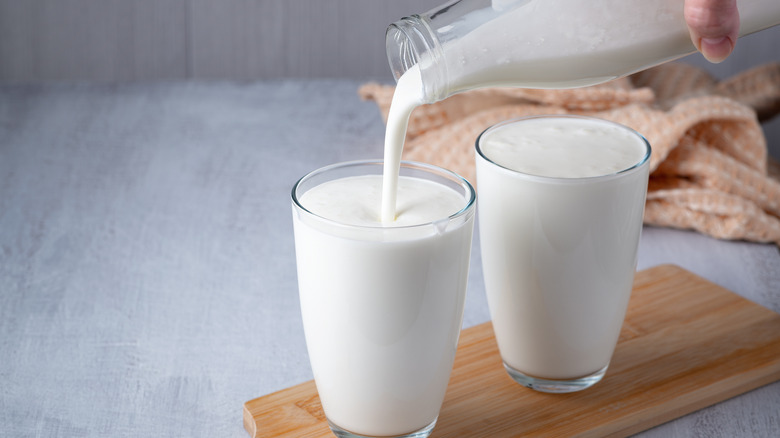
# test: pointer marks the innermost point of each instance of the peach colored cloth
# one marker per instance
(709, 167)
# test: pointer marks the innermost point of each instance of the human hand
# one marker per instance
(714, 27)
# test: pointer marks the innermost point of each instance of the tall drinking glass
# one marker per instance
(561, 206)
(382, 305)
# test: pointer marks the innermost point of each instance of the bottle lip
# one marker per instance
(402, 52)
(411, 41)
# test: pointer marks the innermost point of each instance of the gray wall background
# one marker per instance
(127, 40)
(141, 40)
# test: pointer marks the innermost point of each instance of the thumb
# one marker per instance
(714, 27)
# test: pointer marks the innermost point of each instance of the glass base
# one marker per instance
(422, 433)
(555, 386)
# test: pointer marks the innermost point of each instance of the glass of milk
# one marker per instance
(561, 205)
(382, 303)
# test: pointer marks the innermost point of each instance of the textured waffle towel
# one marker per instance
(709, 168)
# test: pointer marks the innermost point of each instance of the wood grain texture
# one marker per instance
(686, 344)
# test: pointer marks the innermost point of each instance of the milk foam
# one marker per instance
(352, 201)
(579, 148)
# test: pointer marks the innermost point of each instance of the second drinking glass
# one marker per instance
(560, 216)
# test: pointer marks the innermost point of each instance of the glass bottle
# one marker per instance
(467, 44)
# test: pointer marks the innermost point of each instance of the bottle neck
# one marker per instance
(411, 41)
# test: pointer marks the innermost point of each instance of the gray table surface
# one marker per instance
(147, 271)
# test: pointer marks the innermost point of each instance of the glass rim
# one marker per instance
(628, 170)
(470, 193)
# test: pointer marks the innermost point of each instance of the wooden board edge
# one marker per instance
(250, 423)
(722, 390)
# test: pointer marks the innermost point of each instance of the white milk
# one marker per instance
(566, 43)
(407, 97)
(352, 201)
(382, 303)
(572, 43)
(559, 254)
(580, 148)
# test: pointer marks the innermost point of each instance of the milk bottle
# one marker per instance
(470, 44)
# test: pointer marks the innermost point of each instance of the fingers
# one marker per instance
(714, 27)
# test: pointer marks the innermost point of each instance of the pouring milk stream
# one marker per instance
(468, 44)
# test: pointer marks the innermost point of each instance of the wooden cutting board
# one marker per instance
(686, 344)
